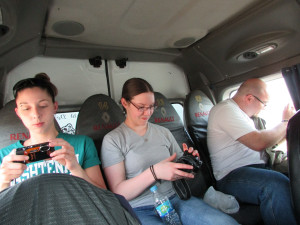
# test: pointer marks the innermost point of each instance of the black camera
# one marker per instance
(36, 152)
(188, 158)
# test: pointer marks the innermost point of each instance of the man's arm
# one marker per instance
(261, 139)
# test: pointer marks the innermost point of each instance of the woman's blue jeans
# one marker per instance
(264, 187)
(191, 212)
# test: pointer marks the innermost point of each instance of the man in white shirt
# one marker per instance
(237, 153)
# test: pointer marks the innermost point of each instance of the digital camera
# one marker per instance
(36, 152)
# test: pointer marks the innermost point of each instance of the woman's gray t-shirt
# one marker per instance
(139, 153)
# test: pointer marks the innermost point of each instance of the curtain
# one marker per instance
(291, 76)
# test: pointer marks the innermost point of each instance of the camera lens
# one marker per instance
(44, 148)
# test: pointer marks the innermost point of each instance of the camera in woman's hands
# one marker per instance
(36, 152)
(189, 159)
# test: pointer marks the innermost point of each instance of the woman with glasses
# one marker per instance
(138, 154)
(74, 154)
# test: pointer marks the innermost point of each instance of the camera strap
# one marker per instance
(182, 189)
(181, 186)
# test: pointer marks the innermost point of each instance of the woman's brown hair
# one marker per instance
(40, 80)
(135, 86)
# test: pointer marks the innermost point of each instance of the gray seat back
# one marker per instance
(196, 110)
(12, 128)
(98, 115)
(165, 115)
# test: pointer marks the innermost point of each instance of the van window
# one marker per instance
(179, 109)
(67, 121)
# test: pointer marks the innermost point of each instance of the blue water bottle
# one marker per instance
(164, 208)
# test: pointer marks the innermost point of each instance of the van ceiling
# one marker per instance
(209, 39)
(147, 24)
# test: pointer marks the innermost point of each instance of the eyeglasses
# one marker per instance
(264, 103)
(142, 109)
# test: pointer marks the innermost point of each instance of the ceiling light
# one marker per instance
(256, 52)
(265, 49)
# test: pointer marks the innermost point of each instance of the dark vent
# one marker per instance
(3, 30)
(250, 55)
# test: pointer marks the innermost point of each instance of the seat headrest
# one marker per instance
(197, 107)
(165, 114)
(98, 115)
(196, 110)
(12, 128)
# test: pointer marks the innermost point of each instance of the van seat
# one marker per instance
(166, 116)
(12, 128)
(196, 110)
(98, 115)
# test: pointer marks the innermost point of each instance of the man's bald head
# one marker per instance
(253, 86)
(249, 93)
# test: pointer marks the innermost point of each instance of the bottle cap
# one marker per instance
(153, 188)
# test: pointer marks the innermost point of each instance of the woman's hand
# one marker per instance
(168, 170)
(190, 150)
(66, 155)
(11, 169)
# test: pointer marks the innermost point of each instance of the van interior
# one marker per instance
(182, 48)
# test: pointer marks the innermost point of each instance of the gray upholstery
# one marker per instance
(166, 116)
(63, 199)
(98, 115)
(11, 127)
(196, 110)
